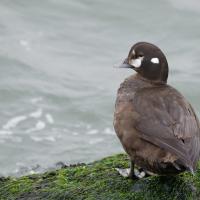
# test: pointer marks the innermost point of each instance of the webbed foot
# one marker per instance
(133, 174)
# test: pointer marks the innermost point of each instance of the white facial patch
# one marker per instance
(136, 62)
(155, 60)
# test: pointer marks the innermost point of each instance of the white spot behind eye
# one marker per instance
(136, 62)
(155, 60)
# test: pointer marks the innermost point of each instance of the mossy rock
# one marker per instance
(99, 180)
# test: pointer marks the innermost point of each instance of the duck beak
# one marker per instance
(125, 64)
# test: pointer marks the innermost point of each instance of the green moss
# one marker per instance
(99, 180)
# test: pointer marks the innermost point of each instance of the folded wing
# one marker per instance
(167, 120)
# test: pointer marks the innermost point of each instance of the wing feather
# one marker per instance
(168, 120)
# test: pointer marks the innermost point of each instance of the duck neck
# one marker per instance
(152, 82)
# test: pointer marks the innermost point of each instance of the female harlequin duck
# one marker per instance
(156, 125)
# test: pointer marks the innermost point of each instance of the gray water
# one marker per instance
(57, 81)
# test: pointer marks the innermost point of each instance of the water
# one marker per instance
(57, 81)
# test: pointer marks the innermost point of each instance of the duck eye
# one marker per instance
(140, 55)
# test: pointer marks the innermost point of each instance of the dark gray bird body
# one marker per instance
(156, 125)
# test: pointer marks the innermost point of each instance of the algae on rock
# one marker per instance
(99, 181)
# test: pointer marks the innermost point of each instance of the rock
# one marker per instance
(99, 180)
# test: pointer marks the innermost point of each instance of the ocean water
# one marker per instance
(57, 81)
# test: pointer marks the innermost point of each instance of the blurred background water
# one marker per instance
(57, 81)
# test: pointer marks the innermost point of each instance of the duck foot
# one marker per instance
(139, 173)
(132, 172)
(135, 174)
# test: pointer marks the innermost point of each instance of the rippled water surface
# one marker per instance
(57, 81)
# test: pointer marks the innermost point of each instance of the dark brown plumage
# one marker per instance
(156, 125)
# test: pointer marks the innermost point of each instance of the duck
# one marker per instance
(157, 127)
